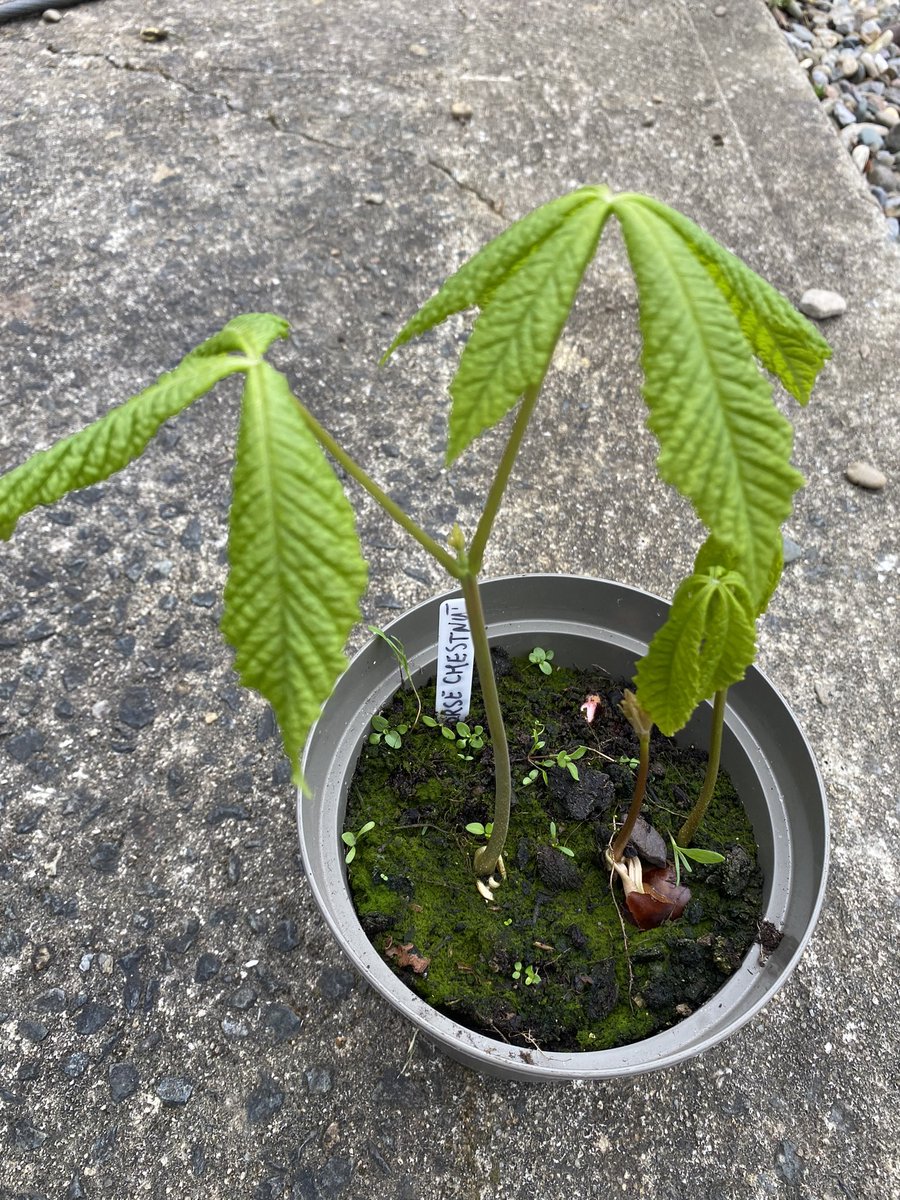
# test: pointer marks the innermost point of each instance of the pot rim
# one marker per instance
(480, 1051)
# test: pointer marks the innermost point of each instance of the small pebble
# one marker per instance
(150, 33)
(282, 1022)
(285, 936)
(207, 968)
(376, 198)
(824, 692)
(233, 868)
(335, 983)
(318, 1080)
(41, 958)
(860, 156)
(32, 1031)
(720, 10)
(93, 1017)
(866, 476)
(137, 708)
(235, 1029)
(74, 1065)
(884, 177)
(242, 999)
(228, 812)
(871, 137)
(123, 1081)
(264, 1101)
(821, 304)
(51, 15)
(174, 1092)
(24, 1136)
(52, 1001)
(460, 111)
(105, 859)
(869, 31)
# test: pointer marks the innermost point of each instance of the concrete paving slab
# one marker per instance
(174, 1020)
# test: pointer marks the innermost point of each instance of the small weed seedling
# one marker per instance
(541, 659)
(465, 738)
(531, 975)
(537, 742)
(555, 842)
(352, 840)
(534, 775)
(682, 856)
(391, 735)
(563, 758)
(705, 321)
(480, 830)
(396, 648)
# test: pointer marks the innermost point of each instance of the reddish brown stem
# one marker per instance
(637, 800)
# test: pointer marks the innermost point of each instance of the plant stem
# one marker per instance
(486, 857)
(695, 816)
(501, 478)
(637, 800)
(324, 438)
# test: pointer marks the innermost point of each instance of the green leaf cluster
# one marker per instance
(391, 735)
(295, 569)
(708, 324)
(705, 645)
(524, 281)
(542, 659)
(705, 318)
(296, 573)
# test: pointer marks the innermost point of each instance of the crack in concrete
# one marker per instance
(495, 206)
(307, 137)
(269, 118)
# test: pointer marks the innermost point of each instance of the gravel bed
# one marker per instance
(851, 52)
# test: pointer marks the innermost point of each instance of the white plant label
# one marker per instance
(456, 659)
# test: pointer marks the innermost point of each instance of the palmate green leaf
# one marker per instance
(782, 339)
(296, 574)
(111, 442)
(723, 443)
(524, 282)
(706, 644)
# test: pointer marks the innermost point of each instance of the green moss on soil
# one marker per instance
(414, 888)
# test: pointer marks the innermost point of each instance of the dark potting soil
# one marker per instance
(553, 960)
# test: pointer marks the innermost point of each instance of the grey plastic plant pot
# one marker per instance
(585, 622)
